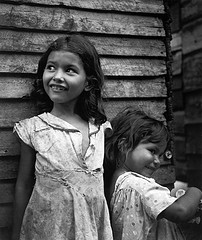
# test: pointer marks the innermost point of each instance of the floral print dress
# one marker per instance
(67, 202)
(135, 205)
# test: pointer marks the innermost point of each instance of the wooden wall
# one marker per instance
(132, 38)
(186, 48)
(192, 79)
(178, 97)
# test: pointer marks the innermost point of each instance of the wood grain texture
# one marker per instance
(60, 19)
(6, 192)
(180, 149)
(6, 213)
(5, 233)
(191, 10)
(194, 139)
(192, 71)
(8, 171)
(193, 108)
(13, 87)
(179, 120)
(14, 111)
(37, 42)
(177, 63)
(15, 63)
(192, 37)
(138, 6)
(176, 42)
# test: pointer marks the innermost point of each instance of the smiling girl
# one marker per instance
(59, 191)
(138, 204)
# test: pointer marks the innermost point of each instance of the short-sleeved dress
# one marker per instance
(135, 204)
(67, 202)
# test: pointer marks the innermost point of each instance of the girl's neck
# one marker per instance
(122, 170)
(67, 114)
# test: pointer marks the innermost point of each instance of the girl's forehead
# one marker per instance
(62, 55)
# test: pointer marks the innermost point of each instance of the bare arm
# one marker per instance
(184, 208)
(24, 187)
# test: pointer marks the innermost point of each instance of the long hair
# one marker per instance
(133, 126)
(89, 104)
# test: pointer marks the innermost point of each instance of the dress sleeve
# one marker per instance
(156, 198)
(23, 130)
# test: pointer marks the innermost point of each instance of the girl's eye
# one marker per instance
(70, 70)
(50, 67)
(152, 151)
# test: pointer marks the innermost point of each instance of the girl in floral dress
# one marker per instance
(140, 208)
(59, 191)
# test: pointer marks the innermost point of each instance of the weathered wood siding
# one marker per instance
(132, 40)
(192, 77)
(178, 101)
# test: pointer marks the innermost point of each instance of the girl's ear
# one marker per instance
(87, 87)
(122, 145)
(88, 84)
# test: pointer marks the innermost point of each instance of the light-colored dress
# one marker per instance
(67, 202)
(136, 202)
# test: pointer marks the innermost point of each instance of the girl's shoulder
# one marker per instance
(29, 123)
(133, 181)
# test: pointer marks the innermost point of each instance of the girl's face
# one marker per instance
(64, 77)
(145, 158)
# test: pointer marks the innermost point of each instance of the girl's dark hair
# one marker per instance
(89, 105)
(129, 128)
(133, 126)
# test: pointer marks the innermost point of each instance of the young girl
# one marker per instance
(59, 190)
(137, 202)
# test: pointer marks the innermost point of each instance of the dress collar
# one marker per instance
(59, 123)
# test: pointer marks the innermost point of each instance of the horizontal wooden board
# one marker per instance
(9, 144)
(139, 6)
(6, 192)
(19, 63)
(179, 121)
(194, 139)
(175, 15)
(37, 42)
(8, 168)
(6, 213)
(177, 63)
(178, 100)
(13, 87)
(136, 89)
(194, 162)
(155, 108)
(177, 82)
(179, 148)
(192, 71)
(5, 233)
(191, 10)
(13, 111)
(192, 37)
(62, 19)
(176, 42)
(193, 107)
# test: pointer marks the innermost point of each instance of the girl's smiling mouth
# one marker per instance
(58, 88)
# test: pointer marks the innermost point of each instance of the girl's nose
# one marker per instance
(58, 77)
